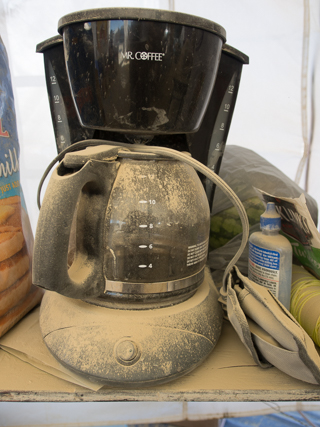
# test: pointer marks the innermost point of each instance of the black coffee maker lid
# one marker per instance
(48, 43)
(235, 53)
(123, 13)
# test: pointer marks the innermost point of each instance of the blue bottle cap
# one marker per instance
(270, 219)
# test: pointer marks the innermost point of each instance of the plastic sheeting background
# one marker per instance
(28, 414)
(276, 115)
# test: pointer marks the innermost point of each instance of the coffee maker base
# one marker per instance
(132, 348)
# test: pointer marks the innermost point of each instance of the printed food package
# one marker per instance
(17, 294)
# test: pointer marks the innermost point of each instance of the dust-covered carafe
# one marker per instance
(141, 226)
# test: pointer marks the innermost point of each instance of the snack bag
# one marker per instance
(17, 294)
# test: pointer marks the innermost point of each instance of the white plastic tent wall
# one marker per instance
(94, 414)
(277, 115)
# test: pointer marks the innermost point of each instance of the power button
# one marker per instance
(127, 352)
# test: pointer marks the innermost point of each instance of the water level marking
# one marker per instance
(143, 246)
(143, 201)
(143, 226)
(143, 266)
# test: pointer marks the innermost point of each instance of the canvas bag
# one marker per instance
(267, 329)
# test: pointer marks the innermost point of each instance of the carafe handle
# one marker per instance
(50, 261)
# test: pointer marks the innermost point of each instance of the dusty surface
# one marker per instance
(228, 374)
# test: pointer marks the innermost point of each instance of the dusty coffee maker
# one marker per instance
(206, 144)
(122, 236)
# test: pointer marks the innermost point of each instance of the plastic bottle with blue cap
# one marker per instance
(270, 256)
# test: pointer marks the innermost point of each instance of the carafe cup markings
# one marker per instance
(53, 80)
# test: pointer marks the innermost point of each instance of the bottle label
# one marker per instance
(264, 266)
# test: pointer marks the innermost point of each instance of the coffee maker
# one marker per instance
(207, 144)
(122, 236)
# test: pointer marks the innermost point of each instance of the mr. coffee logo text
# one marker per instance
(143, 56)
